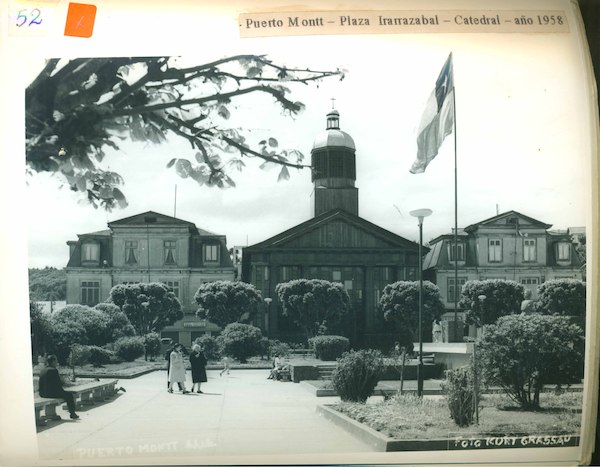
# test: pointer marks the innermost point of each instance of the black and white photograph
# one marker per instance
(247, 245)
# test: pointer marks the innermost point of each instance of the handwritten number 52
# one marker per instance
(23, 18)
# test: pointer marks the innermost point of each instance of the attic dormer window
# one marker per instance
(456, 251)
(90, 252)
(563, 251)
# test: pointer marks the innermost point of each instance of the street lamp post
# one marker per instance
(420, 214)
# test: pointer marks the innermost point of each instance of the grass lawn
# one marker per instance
(125, 369)
(408, 417)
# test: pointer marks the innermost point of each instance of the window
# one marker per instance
(531, 284)
(288, 273)
(170, 251)
(261, 278)
(174, 286)
(529, 250)
(564, 251)
(453, 293)
(90, 293)
(90, 252)
(456, 251)
(336, 276)
(530, 281)
(382, 276)
(211, 253)
(131, 252)
(495, 250)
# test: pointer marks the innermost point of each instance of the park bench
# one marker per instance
(302, 352)
(85, 394)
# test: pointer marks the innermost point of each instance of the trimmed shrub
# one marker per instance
(522, 353)
(458, 388)
(152, 345)
(79, 355)
(486, 301)
(62, 336)
(240, 341)
(212, 350)
(278, 348)
(565, 297)
(129, 348)
(357, 374)
(118, 324)
(100, 356)
(329, 347)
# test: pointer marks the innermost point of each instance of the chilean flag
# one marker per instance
(437, 121)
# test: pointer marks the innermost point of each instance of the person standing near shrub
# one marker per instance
(177, 369)
(50, 385)
(198, 363)
(436, 330)
(226, 365)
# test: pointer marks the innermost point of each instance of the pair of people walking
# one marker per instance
(176, 369)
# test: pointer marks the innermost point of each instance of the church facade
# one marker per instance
(336, 245)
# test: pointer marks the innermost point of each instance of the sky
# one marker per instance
(522, 142)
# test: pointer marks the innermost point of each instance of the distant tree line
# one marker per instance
(47, 284)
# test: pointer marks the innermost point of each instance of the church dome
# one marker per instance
(333, 136)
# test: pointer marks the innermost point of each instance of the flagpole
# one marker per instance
(455, 219)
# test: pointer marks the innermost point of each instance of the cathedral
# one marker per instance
(336, 245)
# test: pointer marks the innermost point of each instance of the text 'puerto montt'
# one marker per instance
(385, 22)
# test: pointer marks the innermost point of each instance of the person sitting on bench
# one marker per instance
(278, 367)
(50, 385)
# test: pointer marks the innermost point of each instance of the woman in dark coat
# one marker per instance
(198, 363)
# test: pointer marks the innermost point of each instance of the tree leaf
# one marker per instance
(183, 167)
(284, 174)
(253, 72)
(273, 142)
(171, 162)
(237, 164)
(224, 112)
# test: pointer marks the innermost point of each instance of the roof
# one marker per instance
(152, 217)
(333, 138)
(148, 217)
(449, 236)
(287, 236)
(507, 215)
(99, 233)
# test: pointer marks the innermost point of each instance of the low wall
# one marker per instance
(303, 372)
(430, 371)
(300, 372)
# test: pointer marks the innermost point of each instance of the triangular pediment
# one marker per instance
(336, 229)
(510, 219)
(147, 218)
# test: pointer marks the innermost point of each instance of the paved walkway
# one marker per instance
(242, 414)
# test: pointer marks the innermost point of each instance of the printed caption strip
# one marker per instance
(397, 22)
(35, 18)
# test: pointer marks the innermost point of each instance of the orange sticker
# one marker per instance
(80, 20)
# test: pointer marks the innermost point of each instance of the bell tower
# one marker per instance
(333, 160)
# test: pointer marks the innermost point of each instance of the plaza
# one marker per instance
(240, 416)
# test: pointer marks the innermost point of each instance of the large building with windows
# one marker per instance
(509, 246)
(149, 247)
(335, 245)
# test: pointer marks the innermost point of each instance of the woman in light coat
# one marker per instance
(177, 369)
